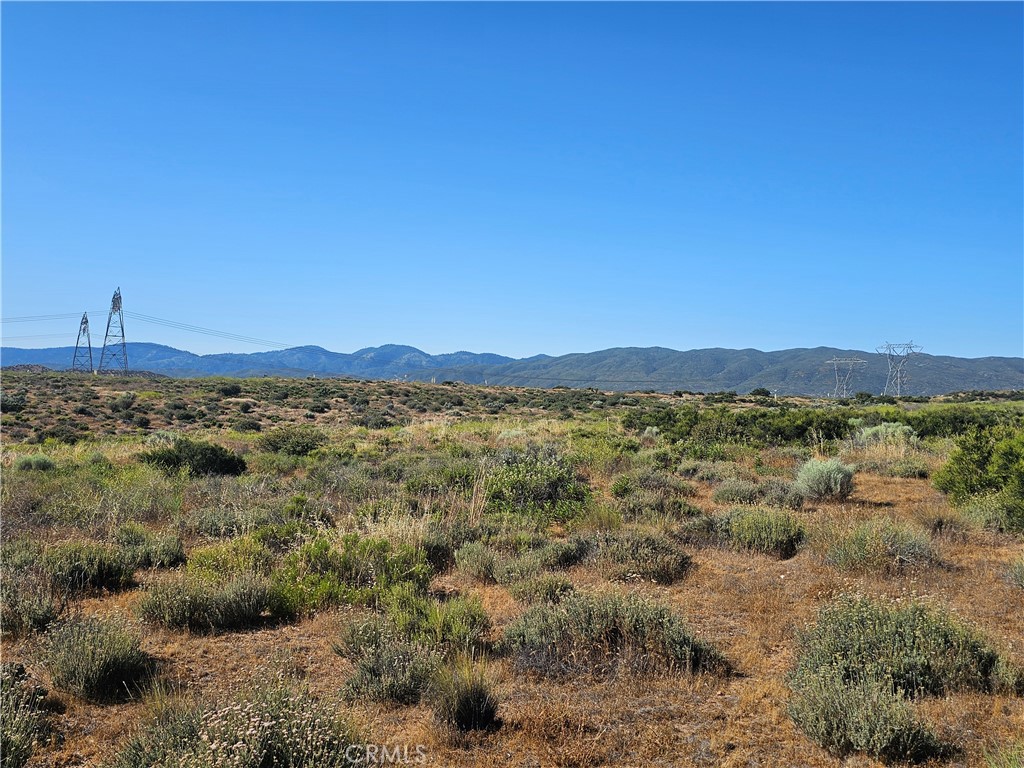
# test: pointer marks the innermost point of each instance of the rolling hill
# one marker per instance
(788, 371)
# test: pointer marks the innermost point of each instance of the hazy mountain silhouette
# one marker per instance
(788, 371)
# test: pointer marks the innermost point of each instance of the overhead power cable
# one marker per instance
(204, 331)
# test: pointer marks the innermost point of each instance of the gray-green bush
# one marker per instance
(100, 659)
(879, 544)
(605, 634)
(770, 531)
(824, 480)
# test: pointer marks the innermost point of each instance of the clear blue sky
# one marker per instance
(519, 178)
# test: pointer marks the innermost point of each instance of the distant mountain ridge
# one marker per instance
(788, 371)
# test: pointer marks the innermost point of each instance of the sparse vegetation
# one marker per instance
(554, 537)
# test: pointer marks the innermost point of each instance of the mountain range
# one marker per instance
(787, 371)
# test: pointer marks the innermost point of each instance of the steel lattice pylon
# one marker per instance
(844, 372)
(82, 360)
(897, 355)
(115, 354)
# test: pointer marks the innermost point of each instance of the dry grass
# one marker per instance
(748, 606)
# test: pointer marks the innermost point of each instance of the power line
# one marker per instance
(145, 319)
(205, 331)
(41, 318)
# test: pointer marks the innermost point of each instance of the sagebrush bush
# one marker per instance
(770, 531)
(862, 660)
(476, 560)
(642, 556)
(147, 549)
(824, 480)
(197, 457)
(860, 716)
(904, 646)
(457, 623)
(544, 588)
(387, 667)
(514, 570)
(74, 566)
(205, 604)
(28, 601)
(22, 721)
(565, 554)
(1015, 571)
(99, 659)
(878, 544)
(463, 699)
(244, 555)
(605, 634)
(38, 463)
(733, 490)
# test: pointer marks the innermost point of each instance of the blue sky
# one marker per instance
(518, 178)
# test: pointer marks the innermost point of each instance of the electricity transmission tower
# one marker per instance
(114, 355)
(897, 355)
(82, 352)
(844, 372)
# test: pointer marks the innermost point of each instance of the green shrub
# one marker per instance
(239, 556)
(38, 463)
(988, 510)
(824, 480)
(770, 531)
(197, 457)
(863, 659)
(22, 724)
(775, 492)
(99, 659)
(443, 539)
(293, 439)
(200, 604)
(736, 491)
(565, 554)
(604, 634)
(886, 433)
(28, 601)
(274, 722)
(544, 588)
(463, 699)
(988, 462)
(458, 623)
(907, 647)
(145, 549)
(476, 560)
(535, 482)
(74, 566)
(513, 570)
(644, 556)
(352, 570)
(860, 716)
(387, 668)
(879, 544)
